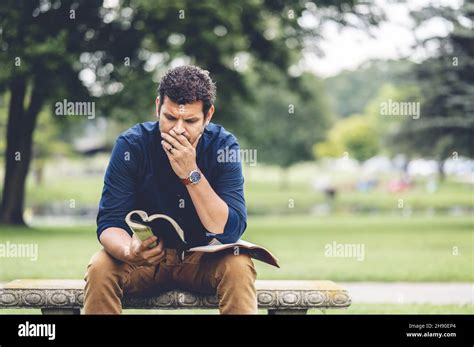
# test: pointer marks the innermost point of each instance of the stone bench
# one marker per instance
(278, 297)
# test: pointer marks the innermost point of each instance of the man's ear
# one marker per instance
(157, 106)
(209, 115)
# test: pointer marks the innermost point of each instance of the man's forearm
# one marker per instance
(211, 209)
(115, 241)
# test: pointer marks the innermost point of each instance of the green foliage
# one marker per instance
(285, 123)
(349, 92)
(355, 135)
(446, 82)
(363, 136)
(49, 139)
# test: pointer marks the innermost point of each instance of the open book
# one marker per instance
(144, 226)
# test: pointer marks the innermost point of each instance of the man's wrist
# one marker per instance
(192, 178)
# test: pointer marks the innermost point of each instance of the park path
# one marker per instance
(411, 293)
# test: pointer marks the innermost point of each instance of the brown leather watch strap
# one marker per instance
(186, 181)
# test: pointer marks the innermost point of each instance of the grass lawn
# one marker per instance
(353, 309)
(266, 195)
(411, 249)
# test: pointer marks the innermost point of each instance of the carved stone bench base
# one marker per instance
(278, 297)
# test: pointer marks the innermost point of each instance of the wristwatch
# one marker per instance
(193, 178)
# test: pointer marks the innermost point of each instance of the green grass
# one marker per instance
(84, 190)
(263, 190)
(353, 309)
(412, 249)
(263, 197)
(62, 252)
(396, 248)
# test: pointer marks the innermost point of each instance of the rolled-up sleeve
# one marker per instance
(118, 194)
(229, 185)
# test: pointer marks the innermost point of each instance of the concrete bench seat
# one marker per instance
(278, 297)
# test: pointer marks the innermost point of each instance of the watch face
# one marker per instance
(195, 176)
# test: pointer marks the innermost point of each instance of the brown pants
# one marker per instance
(231, 276)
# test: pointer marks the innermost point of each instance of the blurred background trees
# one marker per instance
(113, 53)
(446, 83)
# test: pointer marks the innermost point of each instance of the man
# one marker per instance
(171, 167)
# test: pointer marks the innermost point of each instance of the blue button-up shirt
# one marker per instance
(139, 177)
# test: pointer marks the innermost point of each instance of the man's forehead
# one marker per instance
(194, 108)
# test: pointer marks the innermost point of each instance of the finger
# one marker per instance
(146, 243)
(152, 252)
(180, 138)
(171, 140)
(170, 156)
(157, 259)
(197, 140)
(168, 148)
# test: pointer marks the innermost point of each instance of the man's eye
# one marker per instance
(169, 118)
(191, 121)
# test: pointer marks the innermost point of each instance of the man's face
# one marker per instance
(185, 119)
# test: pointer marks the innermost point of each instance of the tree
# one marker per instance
(41, 43)
(49, 140)
(446, 81)
(82, 51)
(355, 136)
(364, 135)
(357, 90)
(285, 122)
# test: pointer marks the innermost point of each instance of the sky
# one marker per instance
(349, 48)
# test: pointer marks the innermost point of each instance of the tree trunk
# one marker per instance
(21, 124)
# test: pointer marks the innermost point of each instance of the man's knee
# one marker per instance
(237, 268)
(104, 282)
(236, 285)
(102, 266)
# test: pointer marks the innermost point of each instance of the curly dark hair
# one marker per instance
(187, 84)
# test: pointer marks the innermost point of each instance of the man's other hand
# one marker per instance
(139, 254)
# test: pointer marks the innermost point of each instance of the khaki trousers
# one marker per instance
(231, 276)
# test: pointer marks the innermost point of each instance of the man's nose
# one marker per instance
(179, 127)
